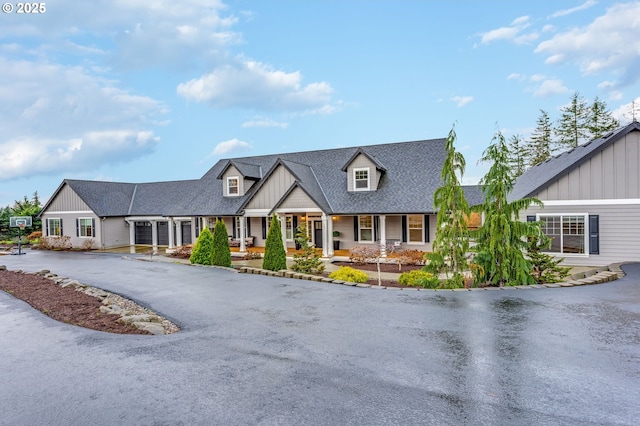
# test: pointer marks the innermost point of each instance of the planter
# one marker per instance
(336, 244)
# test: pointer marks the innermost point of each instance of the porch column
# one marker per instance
(283, 229)
(193, 230)
(178, 233)
(383, 235)
(325, 239)
(132, 236)
(154, 235)
(170, 226)
(329, 239)
(243, 246)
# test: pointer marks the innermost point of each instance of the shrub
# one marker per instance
(202, 253)
(275, 257)
(364, 254)
(307, 261)
(56, 243)
(221, 251)
(419, 278)
(36, 235)
(88, 244)
(349, 274)
(183, 252)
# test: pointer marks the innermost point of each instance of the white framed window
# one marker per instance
(365, 228)
(415, 224)
(54, 227)
(85, 227)
(233, 186)
(361, 179)
(238, 219)
(568, 232)
(289, 228)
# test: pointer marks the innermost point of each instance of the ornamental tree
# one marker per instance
(221, 252)
(202, 253)
(275, 256)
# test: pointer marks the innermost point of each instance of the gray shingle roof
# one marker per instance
(538, 177)
(104, 198)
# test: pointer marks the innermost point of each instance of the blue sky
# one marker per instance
(141, 91)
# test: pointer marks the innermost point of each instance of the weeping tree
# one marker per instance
(221, 252)
(275, 257)
(451, 243)
(502, 240)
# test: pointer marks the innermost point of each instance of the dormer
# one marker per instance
(237, 178)
(364, 172)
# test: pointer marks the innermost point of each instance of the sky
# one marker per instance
(145, 91)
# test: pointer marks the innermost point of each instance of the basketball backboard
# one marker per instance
(16, 221)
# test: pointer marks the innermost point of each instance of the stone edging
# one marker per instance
(594, 276)
(114, 304)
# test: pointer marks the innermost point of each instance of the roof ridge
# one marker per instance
(133, 197)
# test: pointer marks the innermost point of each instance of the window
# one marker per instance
(289, 228)
(233, 186)
(415, 228)
(361, 179)
(365, 228)
(567, 233)
(237, 222)
(85, 227)
(54, 227)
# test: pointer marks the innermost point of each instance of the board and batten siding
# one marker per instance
(273, 189)
(619, 233)
(67, 201)
(298, 199)
(612, 173)
(361, 162)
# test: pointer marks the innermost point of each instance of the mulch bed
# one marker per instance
(384, 267)
(62, 304)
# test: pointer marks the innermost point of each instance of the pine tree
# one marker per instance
(202, 253)
(307, 261)
(600, 121)
(451, 242)
(502, 239)
(517, 155)
(538, 148)
(275, 257)
(544, 267)
(572, 127)
(221, 252)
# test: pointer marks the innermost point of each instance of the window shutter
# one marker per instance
(355, 228)
(61, 231)
(531, 218)
(426, 228)
(248, 227)
(404, 229)
(376, 225)
(46, 224)
(234, 227)
(77, 227)
(264, 228)
(93, 227)
(295, 225)
(594, 234)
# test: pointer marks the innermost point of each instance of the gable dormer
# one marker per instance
(364, 172)
(237, 178)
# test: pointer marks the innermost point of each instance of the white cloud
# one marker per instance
(550, 87)
(513, 33)
(254, 85)
(583, 6)
(462, 100)
(265, 122)
(228, 146)
(516, 76)
(63, 118)
(627, 112)
(609, 44)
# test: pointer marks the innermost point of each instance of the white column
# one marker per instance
(283, 230)
(243, 246)
(154, 235)
(330, 251)
(193, 230)
(170, 226)
(383, 235)
(132, 236)
(178, 233)
(325, 239)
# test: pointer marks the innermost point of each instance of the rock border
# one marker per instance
(595, 276)
(113, 304)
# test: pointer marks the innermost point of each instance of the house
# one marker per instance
(591, 197)
(369, 194)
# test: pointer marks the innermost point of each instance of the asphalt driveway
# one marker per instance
(276, 351)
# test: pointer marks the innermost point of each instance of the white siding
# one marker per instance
(273, 189)
(115, 232)
(69, 228)
(298, 199)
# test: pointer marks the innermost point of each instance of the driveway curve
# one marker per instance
(277, 351)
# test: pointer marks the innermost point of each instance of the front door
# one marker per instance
(317, 233)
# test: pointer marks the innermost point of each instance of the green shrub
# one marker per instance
(221, 252)
(275, 257)
(419, 278)
(349, 274)
(202, 253)
(307, 260)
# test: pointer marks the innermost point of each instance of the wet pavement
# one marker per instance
(276, 351)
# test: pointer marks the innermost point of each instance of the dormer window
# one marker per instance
(361, 179)
(233, 186)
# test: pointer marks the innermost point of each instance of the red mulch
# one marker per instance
(62, 304)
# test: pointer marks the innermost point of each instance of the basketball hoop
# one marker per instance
(22, 226)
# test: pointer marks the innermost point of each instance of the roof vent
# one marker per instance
(607, 135)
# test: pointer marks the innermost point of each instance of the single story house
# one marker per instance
(591, 197)
(364, 195)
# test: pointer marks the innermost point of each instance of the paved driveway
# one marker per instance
(275, 351)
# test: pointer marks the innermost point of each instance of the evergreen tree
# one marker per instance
(572, 127)
(451, 242)
(307, 261)
(518, 157)
(545, 268)
(502, 239)
(600, 121)
(275, 256)
(221, 252)
(538, 149)
(202, 253)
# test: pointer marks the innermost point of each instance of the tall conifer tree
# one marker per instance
(572, 129)
(539, 146)
(600, 121)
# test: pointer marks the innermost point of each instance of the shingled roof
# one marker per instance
(538, 177)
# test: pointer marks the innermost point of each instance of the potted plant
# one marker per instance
(336, 243)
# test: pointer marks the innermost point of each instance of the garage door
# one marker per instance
(186, 232)
(143, 233)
